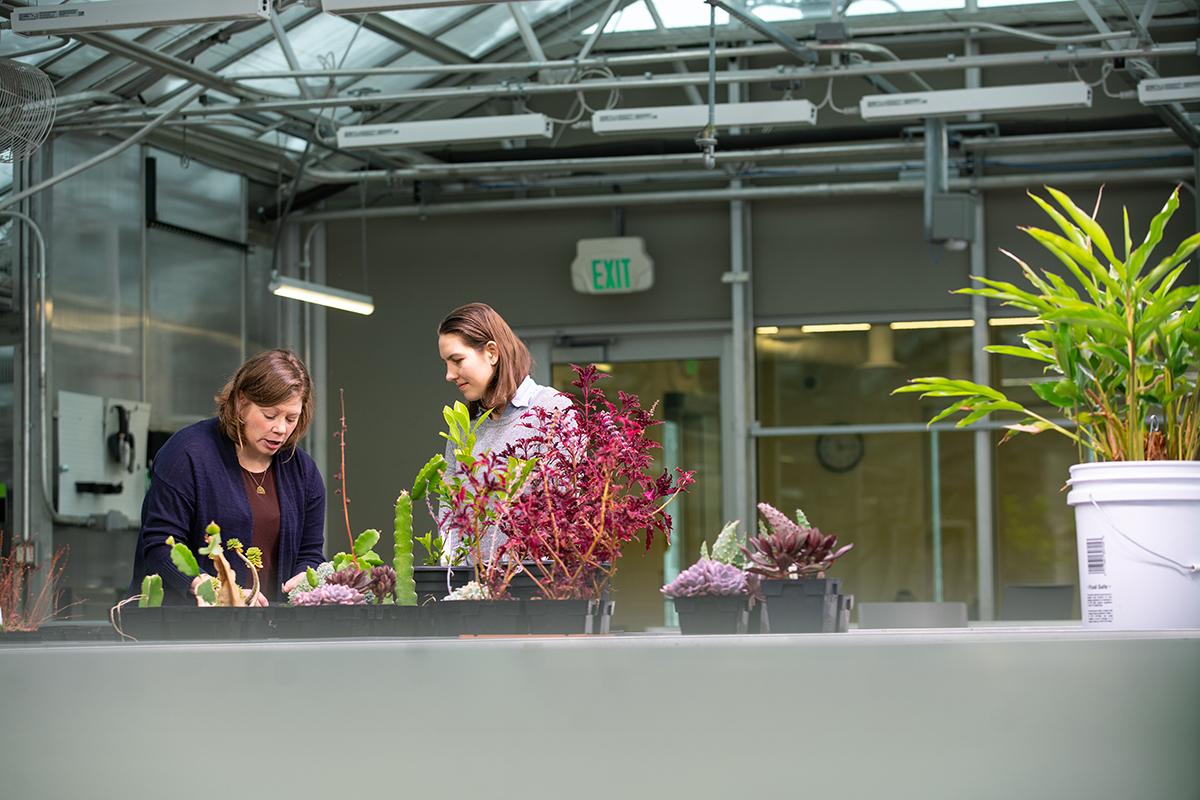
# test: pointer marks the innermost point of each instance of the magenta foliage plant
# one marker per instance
(593, 490)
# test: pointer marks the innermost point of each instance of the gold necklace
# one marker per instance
(259, 483)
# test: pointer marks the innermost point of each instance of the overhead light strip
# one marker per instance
(437, 131)
(46, 20)
(992, 99)
(775, 114)
(309, 292)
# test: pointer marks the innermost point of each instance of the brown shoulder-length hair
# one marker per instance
(478, 324)
(267, 379)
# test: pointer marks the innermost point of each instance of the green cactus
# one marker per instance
(152, 592)
(402, 561)
(183, 559)
(429, 474)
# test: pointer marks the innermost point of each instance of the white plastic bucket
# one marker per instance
(1137, 525)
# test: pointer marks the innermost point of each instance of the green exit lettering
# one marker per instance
(609, 274)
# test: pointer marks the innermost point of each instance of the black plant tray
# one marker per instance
(712, 614)
(560, 616)
(193, 623)
(324, 622)
(477, 618)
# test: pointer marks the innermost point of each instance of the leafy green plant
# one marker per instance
(434, 547)
(1120, 358)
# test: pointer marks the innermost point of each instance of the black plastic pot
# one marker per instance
(20, 637)
(193, 623)
(712, 614)
(560, 616)
(431, 581)
(808, 605)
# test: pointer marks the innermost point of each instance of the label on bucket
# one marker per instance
(1099, 600)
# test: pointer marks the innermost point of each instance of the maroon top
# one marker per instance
(264, 512)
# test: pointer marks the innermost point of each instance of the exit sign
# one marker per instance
(618, 265)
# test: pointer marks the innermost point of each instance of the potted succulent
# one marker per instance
(791, 558)
(1119, 343)
(715, 594)
(592, 492)
(229, 616)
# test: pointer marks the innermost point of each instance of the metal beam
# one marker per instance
(1172, 114)
(693, 94)
(415, 40)
(528, 36)
(289, 54)
(819, 190)
(743, 15)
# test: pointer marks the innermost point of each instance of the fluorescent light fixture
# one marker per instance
(112, 14)
(777, 113)
(954, 102)
(836, 327)
(927, 324)
(767, 330)
(1156, 91)
(309, 292)
(997, 322)
(436, 131)
(367, 6)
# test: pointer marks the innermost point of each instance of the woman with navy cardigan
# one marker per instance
(243, 470)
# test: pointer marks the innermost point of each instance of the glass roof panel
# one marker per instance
(995, 3)
(865, 7)
(429, 20)
(674, 14)
(320, 42)
(482, 32)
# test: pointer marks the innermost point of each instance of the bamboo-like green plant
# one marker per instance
(1120, 358)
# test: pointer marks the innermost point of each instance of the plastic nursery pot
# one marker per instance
(712, 614)
(522, 586)
(431, 581)
(20, 637)
(189, 623)
(808, 605)
(560, 616)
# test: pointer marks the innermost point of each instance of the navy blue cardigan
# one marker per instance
(196, 479)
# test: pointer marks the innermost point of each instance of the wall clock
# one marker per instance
(840, 452)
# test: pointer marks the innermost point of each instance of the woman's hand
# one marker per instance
(294, 581)
(257, 600)
(196, 581)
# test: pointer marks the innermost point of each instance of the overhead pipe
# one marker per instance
(783, 72)
(848, 189)
(805, 152)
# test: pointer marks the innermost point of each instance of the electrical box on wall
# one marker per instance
(953, 218)
(101, 455)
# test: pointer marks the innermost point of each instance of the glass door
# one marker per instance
(682, 376)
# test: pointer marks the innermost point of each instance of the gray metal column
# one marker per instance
(742, 322)
(984, 450)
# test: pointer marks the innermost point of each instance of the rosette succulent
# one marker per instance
(331, 594)
(472, 591)
(323, 571)
(790, 550)
(708, 578)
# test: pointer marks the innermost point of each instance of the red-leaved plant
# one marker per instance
(591, 492)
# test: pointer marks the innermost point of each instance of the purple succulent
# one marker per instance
(707, 577)
(331, 594)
